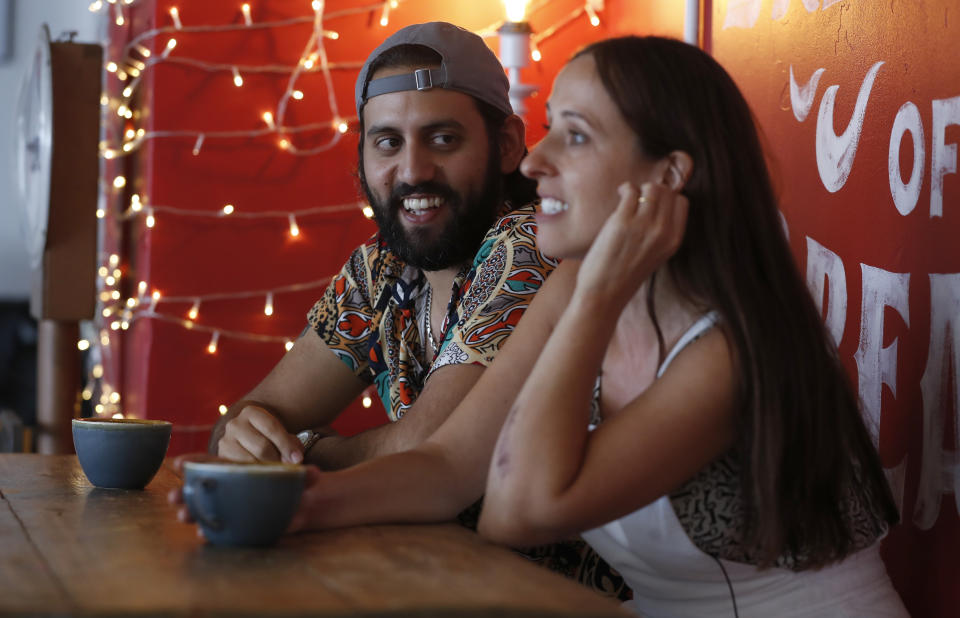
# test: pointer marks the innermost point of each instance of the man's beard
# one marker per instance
(469, 220)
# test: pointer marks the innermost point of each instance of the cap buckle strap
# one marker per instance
(423, 79)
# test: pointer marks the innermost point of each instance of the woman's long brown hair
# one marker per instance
(801, 440)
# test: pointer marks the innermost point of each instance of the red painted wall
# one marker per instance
(886, 268)
(162, 368)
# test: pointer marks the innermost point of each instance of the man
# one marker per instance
(412, 310)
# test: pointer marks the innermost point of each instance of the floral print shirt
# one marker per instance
(373, 314)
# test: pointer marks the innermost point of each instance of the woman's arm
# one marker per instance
(447, 473)
(550, 477)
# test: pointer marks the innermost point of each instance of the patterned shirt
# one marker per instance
(373, 314)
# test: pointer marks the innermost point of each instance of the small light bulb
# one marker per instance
(109, 154)
(124, 325)
(105, 296)
(106, 312)
(143, 51)
(135, 204)
(141, 132)
(110, 280)
(83, 344)
(122, 75)
(394, 4)
(175, 15)
(154, 299)
(222, 409)
(594, 20)
(97, 371)
(169, 48)
(268, 306)
(198, 144)
(288, 345)
(117, 415)
(368, 211)
(342, 127)
(99, 408)
(228, 209)
(87, 394)
(367, 402)
(194, 310)
(285, 144)
(117, 273)
(308, 64)
(297, 94)
(128, 147)
(268, 118)
(131, 302)
(212, 346)
(103, 271)
(294, 228)
(101, 213)
(128, 91)
(115, 295)
(536, 55)
(385, 15)
(331, 34)
(104, 339)
(317, 5)
(246, 13)
(128, 114)
(122, 111)
(112, 67)
(237, 80)
(141, 288)
(119, 21)
(151, 220)
(114, 397)
(95, 6)
(130, 134)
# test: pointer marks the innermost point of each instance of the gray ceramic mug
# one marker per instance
(120, 453)
(242, 503)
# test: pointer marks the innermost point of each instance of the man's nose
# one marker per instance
(416, 165)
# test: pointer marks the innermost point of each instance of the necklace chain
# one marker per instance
(433, 341)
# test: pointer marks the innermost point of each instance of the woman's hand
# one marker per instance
(311, 499)
(644, 231)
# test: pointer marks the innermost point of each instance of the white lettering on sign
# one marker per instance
(877, 365)
(801, 97)
(823, 265)
(905, 196)
(945, 112)
(835, 153)
(742, 13)
(939, 467)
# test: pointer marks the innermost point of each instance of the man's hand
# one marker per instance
(257, 435)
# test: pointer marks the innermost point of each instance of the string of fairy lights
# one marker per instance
(149, 49)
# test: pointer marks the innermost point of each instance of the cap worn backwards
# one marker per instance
(467, 66)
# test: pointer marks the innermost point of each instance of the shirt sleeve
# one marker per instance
(507, 272)
(343, 317)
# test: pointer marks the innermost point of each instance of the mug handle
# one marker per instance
(198, 494)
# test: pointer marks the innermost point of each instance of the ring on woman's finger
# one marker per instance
(642, 200)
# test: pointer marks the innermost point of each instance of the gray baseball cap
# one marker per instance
(468, 66)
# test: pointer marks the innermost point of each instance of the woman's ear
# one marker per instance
(511, 143)
(678, 166)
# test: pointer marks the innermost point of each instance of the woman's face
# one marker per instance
(587, 153)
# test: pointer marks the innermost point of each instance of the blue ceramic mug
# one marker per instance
(242, 503)
(120, 453)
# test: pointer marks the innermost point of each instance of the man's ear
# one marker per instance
(677, 168)
(512, 145)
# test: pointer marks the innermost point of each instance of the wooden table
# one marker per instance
(67, 548)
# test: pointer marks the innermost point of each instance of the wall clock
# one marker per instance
(33, 147)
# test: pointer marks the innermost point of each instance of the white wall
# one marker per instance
(61, 16)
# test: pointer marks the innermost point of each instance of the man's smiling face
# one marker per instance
(430, 173)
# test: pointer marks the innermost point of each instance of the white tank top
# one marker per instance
(670, 576)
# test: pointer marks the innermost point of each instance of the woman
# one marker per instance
(729, 471)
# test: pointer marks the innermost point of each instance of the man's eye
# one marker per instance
(444, 139)
(387, 143)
